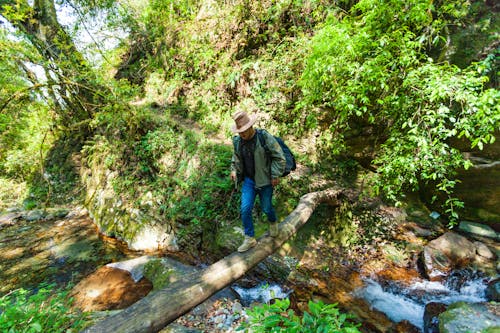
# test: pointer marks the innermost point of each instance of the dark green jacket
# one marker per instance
(266, 167)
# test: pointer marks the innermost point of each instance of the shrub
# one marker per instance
(46, 310)
(278, 317)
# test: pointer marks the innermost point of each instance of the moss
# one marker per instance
(158, 274)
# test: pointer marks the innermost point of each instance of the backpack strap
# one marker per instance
(263, 142)
(236, 143)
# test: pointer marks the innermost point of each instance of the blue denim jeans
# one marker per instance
(248, 195)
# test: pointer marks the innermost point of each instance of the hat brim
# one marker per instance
(253, 119)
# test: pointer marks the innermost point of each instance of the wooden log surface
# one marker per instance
(158, 309)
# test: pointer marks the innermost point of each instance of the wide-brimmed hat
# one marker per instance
(243, 121)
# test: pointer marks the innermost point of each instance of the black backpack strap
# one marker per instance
(237, 144)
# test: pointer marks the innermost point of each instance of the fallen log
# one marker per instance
(160, 308)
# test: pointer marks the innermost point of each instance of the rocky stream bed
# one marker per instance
(403, 280)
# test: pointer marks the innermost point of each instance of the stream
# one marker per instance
(64, 247)
(58, 246)
(408, 303)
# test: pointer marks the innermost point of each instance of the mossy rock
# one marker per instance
(465, 317)
(164, 271)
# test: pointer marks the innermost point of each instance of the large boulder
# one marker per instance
(135, 223)
(462, 317)
(442, 255)
(164, 271)
(109, 289)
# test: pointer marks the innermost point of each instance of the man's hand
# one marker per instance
(275, 181)
(233, 176)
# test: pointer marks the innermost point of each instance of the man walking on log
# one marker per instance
(258, 161)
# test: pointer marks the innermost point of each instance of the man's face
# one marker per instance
(248, 134)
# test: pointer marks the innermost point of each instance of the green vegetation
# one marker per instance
(149, 122)
(373, 68)
(332, 69)
(278, 317)
(46, 310)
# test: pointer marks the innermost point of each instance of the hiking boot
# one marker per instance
(273, 229)
(247, 244)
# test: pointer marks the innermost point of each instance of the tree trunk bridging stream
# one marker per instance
(160, 308)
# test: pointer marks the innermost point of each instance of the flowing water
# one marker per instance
(408, 302)
(263, 293)
(396, 301)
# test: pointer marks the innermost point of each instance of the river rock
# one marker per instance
(493, 290)
(462, 317)
(9, 218)
(483, 251)
(34, 215)
(445, 253)
(177, 328)
(478, 229)
(134, 266)
(109, 289)
(431, 316)
(405, 326)
(164, 271)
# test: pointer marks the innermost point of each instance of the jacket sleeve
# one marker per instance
(278, 161)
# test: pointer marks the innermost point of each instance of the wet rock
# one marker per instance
(462, 317)
(134, 266)
(493, 290)
(405, 326)
(34, 215)
(431, 316)
(336, 287)
(9, 218)
(109, 289)
(478, 229)
(418, 230)
(445, 253)
(403, 276)
(484, 251)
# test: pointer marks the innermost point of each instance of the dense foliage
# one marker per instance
(321, 70)
(277, 317)
(46, 310)
(373, 68)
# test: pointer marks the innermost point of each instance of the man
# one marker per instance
(259, 169)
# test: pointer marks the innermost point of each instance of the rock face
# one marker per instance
(445, 253)
(480, 185)
(109, 289)
(462, 317)
(134, 223)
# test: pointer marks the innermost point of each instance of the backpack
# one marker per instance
(290, 159)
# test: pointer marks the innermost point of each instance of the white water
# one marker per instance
(409, 303)
(262, 293)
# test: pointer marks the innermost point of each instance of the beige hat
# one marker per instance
(243, 121)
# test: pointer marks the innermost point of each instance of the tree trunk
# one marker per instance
(160, 308)
(70, 77)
